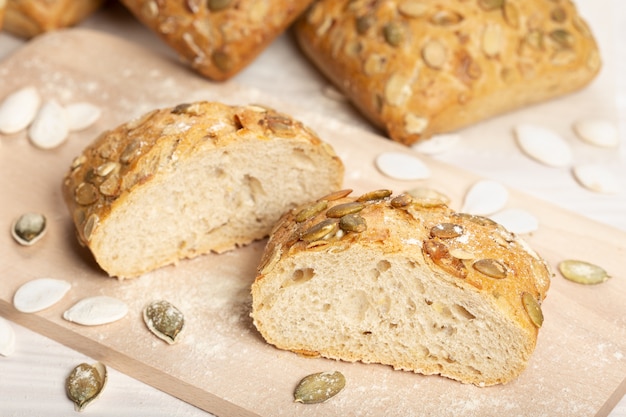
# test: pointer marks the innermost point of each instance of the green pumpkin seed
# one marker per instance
(216, 5)
(336, 195)
(85, 383)
(320, 387)
(164, 320)
(374, 195)
(532, 307)
(353, 223)
(583, 272)
(341, 210)
(402, 200)
(490, 4)
(491, 268)
(446, 231)
(29, 228)
(320, 230)
(311, 210)
(393, 33)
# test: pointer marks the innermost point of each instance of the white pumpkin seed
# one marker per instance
(596, 178)
(597, 132)
(516, 220)
(85, 383)
(7, 338)
(164, 320)
(49, 129)
(39, 294)
(18, 110)
(485, 197)
(29, 228)
(320, 387)
(437, 144)
(94, 311)
(81, 115)
(583, 272)
(543, 145)
(402, 166)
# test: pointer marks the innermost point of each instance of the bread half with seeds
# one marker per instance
(401, 282)
(183, 181)
(421, 67)
(217, 38)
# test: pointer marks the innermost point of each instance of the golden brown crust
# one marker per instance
(421, 67)
(217, 38)
(470, 252)
(28, 18)
(120, 159)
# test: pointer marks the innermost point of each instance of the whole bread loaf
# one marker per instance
(421, 67)
(402, 282)
(218, 38)
(183, 181)
(28, 18)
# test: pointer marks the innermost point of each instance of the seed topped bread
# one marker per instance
(179, 182)
(402, 282)
(420, 67)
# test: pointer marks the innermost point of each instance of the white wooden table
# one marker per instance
(31, 380)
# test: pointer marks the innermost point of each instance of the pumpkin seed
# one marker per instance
(582, 272)
(446, 18)
(393, 33)
(485, 197)
(7, 338)
(597, 132)
(363, 23)
(403, 200)
(563, 38)
(164, 320)
(434, 54)
(85, 383)
(222, 61)
(90, 226)
(130, 152)
(490, 4)
(437, 144)
(397, 89)
(492, 40)
(336, 195)
(511, 14)
(440, 255)
(105, 169)
(19, 109)
(49, 128)
(320, 230)
(353, 223)
(311, 210)
(374, 195)
(216, 5)
(543, 145)
(415, 125)
(319, 387)
(559, 15)
(412, 8)
(428, 197)
(39, 294)
(533, 309)
(97, 310)
(596, 177)
(341, 210)
(29, 228)
(446, 230)
(491, 268)
(402, 166)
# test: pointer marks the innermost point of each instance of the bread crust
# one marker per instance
(218, 42)
(148, 151)
(404, 231)
(418, 68)
(29, 18)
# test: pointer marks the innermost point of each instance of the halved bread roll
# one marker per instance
(183, 181)
(402, 282)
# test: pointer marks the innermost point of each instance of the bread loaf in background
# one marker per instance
(28, 18)
(218, 38)
(416, 68)
(402, 282)
(3, 4)
(183, 181)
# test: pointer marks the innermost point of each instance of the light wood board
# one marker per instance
(221, 364)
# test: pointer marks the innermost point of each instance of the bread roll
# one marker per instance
(401, 282)
(218, 38)
(183, 181)
(3, 4)
(28, 18)
(421, 67)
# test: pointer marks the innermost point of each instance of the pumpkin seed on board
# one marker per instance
(7, 338)
(596, 177)
(39, 294)
(597, 132)
(164, 320)
(19, 109)
(402, 166)
(437, 143)
(81, 115)
(516, 220)
(50, 127)
(29, 228)
(582, 272)
(85, 383)
(319, 387)
(97, 310)
(543, 145)
(485, 197)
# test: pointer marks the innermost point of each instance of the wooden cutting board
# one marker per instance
(221, 364)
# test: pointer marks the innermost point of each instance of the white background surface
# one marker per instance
(31, 380)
